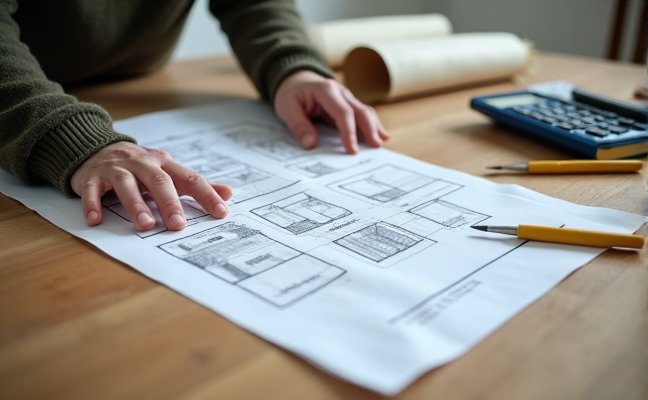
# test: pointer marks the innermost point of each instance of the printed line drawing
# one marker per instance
(248, 132)
(394, 185)
(247, 181)
(252, 261)
(386, 183)
(266, 140)
(300, 213)
(191, 209)
(379, 241)
(317, 168)
(448, 214)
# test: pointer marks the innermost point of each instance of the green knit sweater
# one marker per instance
(46, 134)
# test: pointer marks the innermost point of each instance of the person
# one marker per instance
(47, 135)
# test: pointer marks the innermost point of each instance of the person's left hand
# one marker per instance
(305, 95)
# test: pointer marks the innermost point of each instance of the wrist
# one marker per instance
(62, 150)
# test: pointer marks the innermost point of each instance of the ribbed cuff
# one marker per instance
(286, 64)
(61, 151)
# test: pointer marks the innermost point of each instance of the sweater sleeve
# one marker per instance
(269, 41)
(45, 134)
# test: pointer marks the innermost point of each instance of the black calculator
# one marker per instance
(589, 126)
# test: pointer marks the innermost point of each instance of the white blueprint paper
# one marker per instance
(364, 265)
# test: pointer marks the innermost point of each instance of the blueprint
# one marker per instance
(365, 265)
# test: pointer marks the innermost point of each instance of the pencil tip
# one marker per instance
(494, 167)
(480, 227)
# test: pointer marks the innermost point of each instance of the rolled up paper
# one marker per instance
(334, 39)
(383, 71)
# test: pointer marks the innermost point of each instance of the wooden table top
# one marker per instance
(76, 324)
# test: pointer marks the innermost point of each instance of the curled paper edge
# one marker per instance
(385, 71)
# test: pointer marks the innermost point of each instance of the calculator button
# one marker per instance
(565, 126)
(608, 114)
(536, 115)
(562, 118)
(521, 110)
(626, 121)
(596, 131)
(578, 124)
(617, 129)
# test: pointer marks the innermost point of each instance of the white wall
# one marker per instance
(574, 26)
(202, 36)
(569, 26)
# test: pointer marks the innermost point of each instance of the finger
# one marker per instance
(91, 199)
(336, 106)
(224, 191)
(190, 183)
(161, 187)
(384, 135)
(300, 125)
(367, 120)
(382, 132)
(127, 190)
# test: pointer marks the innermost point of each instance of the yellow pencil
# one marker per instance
(574, 166)
(568, 235)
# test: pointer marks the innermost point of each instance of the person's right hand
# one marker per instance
(130, 170)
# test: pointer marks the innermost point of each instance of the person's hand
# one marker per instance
(129, 170)
(305, 95)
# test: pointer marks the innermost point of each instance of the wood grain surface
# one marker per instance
(75, 324)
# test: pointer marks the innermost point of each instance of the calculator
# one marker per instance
(589, 125)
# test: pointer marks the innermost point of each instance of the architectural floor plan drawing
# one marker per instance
(300, 213)
(379, 241)
(365, 265)
(323, 165)
(390, 184)
(243, 256)
(191, 209)
(448, 214)
(248, 181)
(265, 139)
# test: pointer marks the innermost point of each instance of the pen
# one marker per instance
(574, 166)
(568, 235)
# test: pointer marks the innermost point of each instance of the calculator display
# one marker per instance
(515, 100)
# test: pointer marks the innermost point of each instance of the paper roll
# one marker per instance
(335, 39)
(384, 71)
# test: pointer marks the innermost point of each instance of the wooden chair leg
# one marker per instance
(616, 33)
(641, 40)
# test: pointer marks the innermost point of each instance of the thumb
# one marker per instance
(299, 125)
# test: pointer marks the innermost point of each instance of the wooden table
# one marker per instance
(75, 324)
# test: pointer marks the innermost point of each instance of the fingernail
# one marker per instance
(92, 216)
(307, 140)
(221, 209)
(145, 219)
(176, 221)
